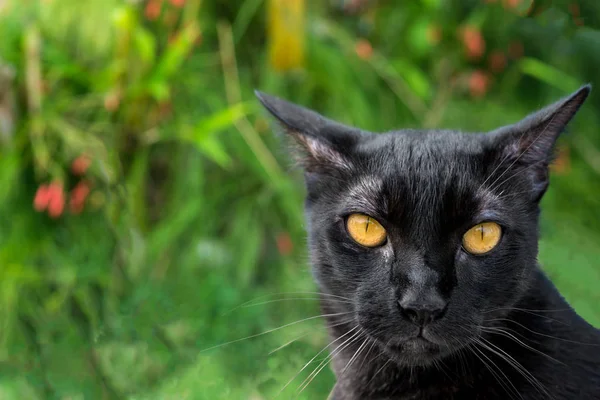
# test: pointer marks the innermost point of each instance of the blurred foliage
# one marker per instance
(143, 196)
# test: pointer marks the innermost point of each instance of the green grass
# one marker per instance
(190, 190)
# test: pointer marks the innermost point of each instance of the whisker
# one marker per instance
(515, 364)
(542, 334)
(284, 294)
(312, 359)
(366, 341)
(328, 358)
(503, 196)
(531, 312)
(524, 151)
(367, 354)
(520, 172)
(496, 376)
(474, 350)
(506, 334)
(275, 329)
(463, 362)
(324, 363)
(294, 298)
(348, 321)
(380, 369)
(497, 167)
(526, 309)
(502, 161)
(442, 364)
(287, 343)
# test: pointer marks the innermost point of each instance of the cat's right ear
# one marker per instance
(323, 145)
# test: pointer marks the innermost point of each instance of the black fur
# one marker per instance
(505, 331)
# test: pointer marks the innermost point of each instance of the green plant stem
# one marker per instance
(234, 96)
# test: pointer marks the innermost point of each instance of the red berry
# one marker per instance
(80, 191)
(473, 41)
(78, 196)
(284, 243)
(75, 207)
(363, 49)
(478, 83)
(511, 3)
(42, 197)
(153, 8)
(80, 164)
(497, 61)
(56, 204)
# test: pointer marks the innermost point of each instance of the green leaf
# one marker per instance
(215, 150)
(176, 52)
(415, 78)
(202, 134)
(146, 45)
(248, 10)
(220, 120)
(159, 90)
(548, 74)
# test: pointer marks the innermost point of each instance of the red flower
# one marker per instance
(473, 41)
(479, 83)
(80, 164)
(511, 3)
(42, 197)
(56, 202)
(78, 196)
(284, 244)
(363, 49)
(497, 61)
(153, 8)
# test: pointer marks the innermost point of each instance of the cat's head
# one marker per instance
(423, 232)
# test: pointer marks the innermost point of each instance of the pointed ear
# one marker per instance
(322, 145)
(530, 143)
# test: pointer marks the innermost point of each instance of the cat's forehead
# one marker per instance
(435, 154)
(422, 170)
(410, 144)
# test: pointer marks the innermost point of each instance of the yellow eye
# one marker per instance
(365, 230)
(482, 238)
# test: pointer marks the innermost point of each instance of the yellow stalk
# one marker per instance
(285, 31)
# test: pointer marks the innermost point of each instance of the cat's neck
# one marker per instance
(512, 359)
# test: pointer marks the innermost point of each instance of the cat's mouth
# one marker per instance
(415, 350)
(415, 344)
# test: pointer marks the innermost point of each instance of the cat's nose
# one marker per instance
(422, 311)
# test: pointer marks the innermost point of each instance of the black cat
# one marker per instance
(424, 247)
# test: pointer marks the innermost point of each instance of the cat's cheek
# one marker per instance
(465, 269)
(474, 280)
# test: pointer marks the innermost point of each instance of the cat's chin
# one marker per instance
(416, 351)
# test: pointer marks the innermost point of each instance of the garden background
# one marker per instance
(143, 197)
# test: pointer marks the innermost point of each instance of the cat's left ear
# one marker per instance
(323, 145)
(530, 143)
